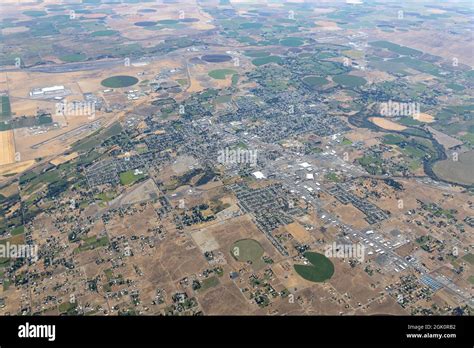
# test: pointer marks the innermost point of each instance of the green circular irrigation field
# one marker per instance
(315, 81)
(349, 80)
(245, 250)
(320, 270)
(119, 81)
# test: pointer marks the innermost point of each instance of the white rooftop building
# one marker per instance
(258, 175)
(46, 90)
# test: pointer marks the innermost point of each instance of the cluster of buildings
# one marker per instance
(107, 171)
(270, 208)
(373, 213)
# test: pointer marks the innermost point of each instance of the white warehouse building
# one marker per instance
(46, 90)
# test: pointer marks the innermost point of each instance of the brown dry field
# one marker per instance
(17, 167)
(127, 28)
(354, 282)
(387, 124)
(63, 159)
(443, 299)
(349, 214)
(423, 117)
(444, 139)
(299, 232)
(361, 134)
(375, 76)
(226, 299)
(326, 25)
(201, 80)
(321, 300)
(7, 147)
(383, 307)
(15, 30)
(9, 190)
(238, 228)
(171, 256)
(443, 44)
(285, 272)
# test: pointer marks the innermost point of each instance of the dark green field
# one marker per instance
(266, 60)
(292, 42)
(321, 268)
(5, 111)
(349, 80)
(315, 81)
(119, 81)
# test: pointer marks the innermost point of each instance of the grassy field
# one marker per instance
(127, 178)
(321, 268)
(396, 48)
(469, 258)
(246, 250)
(221, 74)
(315, 81)
(459, 171)
(5, 111)
(332, 177)
(256, 54)
(209, 283)
(71, 58)
(92, 243)
(393, 139)
(97, 138)
(265, 60)
(104, 33)
(349, 80)
(292, 42)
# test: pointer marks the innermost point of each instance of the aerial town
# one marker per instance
(233, 158)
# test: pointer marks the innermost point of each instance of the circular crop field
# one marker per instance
(320, 270)
(221, 74)
(295, 50)
(168, 21)
(216, 58)
(349, 80)
(147, 10)
(292, 42)
(315, 81)
(145, 24)
(189, 20)
(119, 81)
(246, 250)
